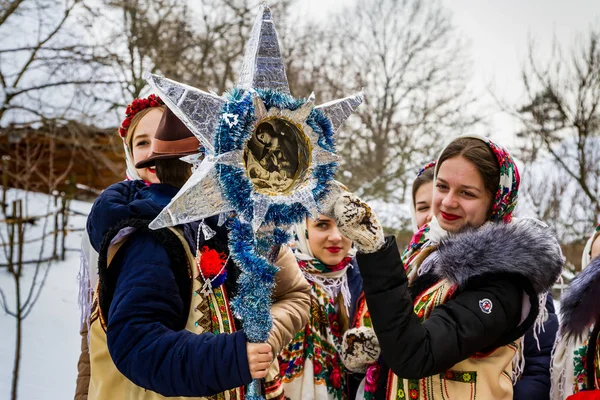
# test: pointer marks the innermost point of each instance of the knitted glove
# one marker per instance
(358, 222)
(326, 204)
(360, 348)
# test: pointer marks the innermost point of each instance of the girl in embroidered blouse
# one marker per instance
(478, 278)
(310, 366)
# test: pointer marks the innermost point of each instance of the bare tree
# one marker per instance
(201, 45)
(561, 122)
(411, 64)
(43, 61)
(25, 237)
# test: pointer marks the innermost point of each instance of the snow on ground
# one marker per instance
(51, 332)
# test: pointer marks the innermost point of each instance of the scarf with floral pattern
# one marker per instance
(425, 240)
(310, 365)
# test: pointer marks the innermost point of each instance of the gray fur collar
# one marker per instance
(580, 304)
(527, 248)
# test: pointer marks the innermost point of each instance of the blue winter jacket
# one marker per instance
(145, 336)
(535, 381)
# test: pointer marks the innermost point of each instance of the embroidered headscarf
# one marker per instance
(332, 278)
(503, 205)
(310, 366)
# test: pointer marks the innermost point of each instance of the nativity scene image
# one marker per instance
(276, 156)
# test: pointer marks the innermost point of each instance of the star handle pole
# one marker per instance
(255, 390)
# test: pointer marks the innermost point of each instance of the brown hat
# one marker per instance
(172, 140)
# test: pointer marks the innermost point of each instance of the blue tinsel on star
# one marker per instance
(255, 283)
(234, 181)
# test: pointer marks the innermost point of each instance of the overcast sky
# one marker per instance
(498, 33)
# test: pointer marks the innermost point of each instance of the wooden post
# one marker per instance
(55, 233)
(20, 237)
(63, 202)
(5, 160)
(11, 238)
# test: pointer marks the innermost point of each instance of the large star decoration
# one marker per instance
(267, 156)
(226, 127)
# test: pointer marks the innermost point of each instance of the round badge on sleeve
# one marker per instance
(486, 305)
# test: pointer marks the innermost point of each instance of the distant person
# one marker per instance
(576, 359)
(422, 192)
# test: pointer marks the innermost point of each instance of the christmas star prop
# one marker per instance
(268, 159)
(261, 97)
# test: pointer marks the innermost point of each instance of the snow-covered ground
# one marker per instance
(51, 332)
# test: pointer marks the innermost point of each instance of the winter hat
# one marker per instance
(172, 140)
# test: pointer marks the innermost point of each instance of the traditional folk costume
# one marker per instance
(450, 325)
(573, 375)
(310, 365)
(161, 324)
(534, 382)
(88, 271)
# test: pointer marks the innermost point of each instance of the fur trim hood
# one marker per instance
(579, 305)
(527, 248)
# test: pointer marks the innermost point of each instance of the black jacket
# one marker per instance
(453, 332)
(497, 263)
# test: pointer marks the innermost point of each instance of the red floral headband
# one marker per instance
(135, 107)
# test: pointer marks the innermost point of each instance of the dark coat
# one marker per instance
(535, 381)
(147, 311)
(498, 262)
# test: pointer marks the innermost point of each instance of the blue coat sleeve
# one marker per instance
(535, 381)
(142, 337)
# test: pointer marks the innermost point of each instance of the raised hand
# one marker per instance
(358, 222)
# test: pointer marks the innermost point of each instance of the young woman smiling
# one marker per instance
(537, 347)
(453, 330)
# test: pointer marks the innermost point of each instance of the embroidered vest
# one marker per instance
(207, 314)
(481, 377)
